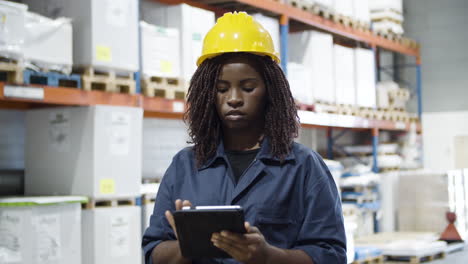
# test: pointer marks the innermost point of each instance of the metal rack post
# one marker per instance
(375, 145)
(284, 31)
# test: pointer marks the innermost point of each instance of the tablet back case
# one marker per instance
(195, 227)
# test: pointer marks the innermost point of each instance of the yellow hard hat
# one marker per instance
(237, 32)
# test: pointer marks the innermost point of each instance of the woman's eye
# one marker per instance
(221, 89)
(249, 88)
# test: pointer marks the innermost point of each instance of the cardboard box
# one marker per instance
(93, 151)
(300, 83)
(40, 230)
(148, 194)
(193, 24)
(162, 140)
(105, 33)
(345, 88)
(272, 26)
(12, 19)
(361, 10)
(160, 51)
(48, 42)
(378, 5)
(112, 235)
(365, 78)
(344, 7)
(314, 49)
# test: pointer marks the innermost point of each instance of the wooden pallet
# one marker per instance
(108, 202)
(148, 199)
(304, 5)
(341, 19)
(11, 70)
(108, 81)
(347, 110)
(370, 260)
(321, 11)
(169, 88)
(415, 259)
(52, 79)
(324, 107)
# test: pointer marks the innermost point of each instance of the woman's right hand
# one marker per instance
(178, 205)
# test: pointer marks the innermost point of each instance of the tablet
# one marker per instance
(196, 225)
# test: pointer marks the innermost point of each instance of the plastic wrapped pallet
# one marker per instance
(272, 26)
(112, 235)
(361, 10)
(344, 7)
(193, 24)
(48, 42)
(314, 49)
(365, 78)
(12, 32)
(437, 193)
(162, 140)
(345, 89)
(387, 25)
(160, 51)
(300, 83)
(105, 33)
(93, 151)
(40, 230)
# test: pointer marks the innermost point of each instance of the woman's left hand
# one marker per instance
(249, 248)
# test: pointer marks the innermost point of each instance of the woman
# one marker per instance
(242, 120)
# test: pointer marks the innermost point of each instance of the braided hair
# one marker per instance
(281, 119)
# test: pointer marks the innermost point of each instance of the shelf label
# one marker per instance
(36, 93)
(400, 125)
(178, 107)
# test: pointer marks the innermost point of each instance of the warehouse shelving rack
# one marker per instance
(291, 19)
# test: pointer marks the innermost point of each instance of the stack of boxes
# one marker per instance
(41, 230)
(345, 89)
(95, 152)
(191, 22)
(387, 16)
(105, 39)
(365, 78)
(314, 50)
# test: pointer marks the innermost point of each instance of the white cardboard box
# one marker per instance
(93, 151)
(361, 10)
(162, 140)
(272, 26)
(365, 78)
(193, 24)
(105, 32)
(160, 51)
(300, 83)
(377, 5)
(112, 235)
(12, 139)
(48, 42)
(42, 230)
(12, 19)
(148, 192)
(345, 88)
(344, 7)
(314, 49)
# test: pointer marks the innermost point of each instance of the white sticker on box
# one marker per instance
(36, 93)
(117, 12)
(59, 131)
(48, 244)
(10, 232)
(119, 235)
(119, 134)
(178, 107)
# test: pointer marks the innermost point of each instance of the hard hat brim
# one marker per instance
(274, 57)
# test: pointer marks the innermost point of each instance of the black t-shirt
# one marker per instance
(240, 161)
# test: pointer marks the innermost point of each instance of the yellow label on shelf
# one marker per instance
(103, 53)
(107, 186)
(166, 66)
